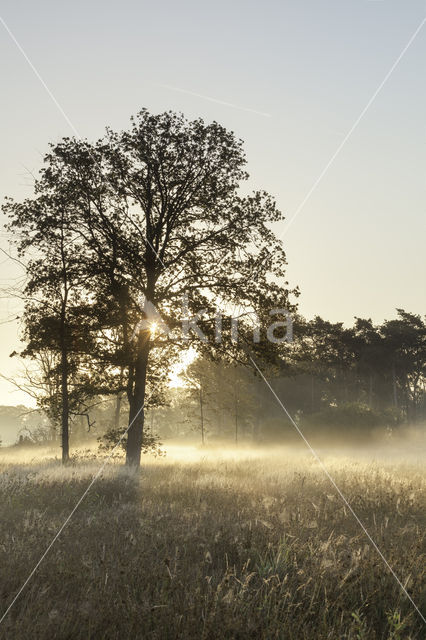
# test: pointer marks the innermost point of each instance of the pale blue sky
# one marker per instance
(357, 247)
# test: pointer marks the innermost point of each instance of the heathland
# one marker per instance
(206, 544)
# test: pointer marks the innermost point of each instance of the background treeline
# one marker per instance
(334, 380)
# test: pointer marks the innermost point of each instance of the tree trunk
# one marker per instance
(236, 405)
(202, 416)
(118, 400)
(136, 401)
(117, 411)
(394, 388)
(370, 391)
(64, 346)
(65, 404)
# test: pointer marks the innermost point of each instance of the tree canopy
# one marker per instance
(155, 213)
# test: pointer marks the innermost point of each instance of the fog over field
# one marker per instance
(212, 320)
(212, 543)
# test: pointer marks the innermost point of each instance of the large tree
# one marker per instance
(160, 214)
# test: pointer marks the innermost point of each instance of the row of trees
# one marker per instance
(331, 378)
(361, 376)
(379, 366)
(151, 213)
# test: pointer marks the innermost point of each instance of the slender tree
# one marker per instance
(54, 294)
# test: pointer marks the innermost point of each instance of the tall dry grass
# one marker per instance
(201, 545)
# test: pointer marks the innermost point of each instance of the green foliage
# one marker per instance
(359, 626)
(396, 625)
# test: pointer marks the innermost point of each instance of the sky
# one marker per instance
(289, 77)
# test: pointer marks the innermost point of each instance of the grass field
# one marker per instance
(203, 545)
